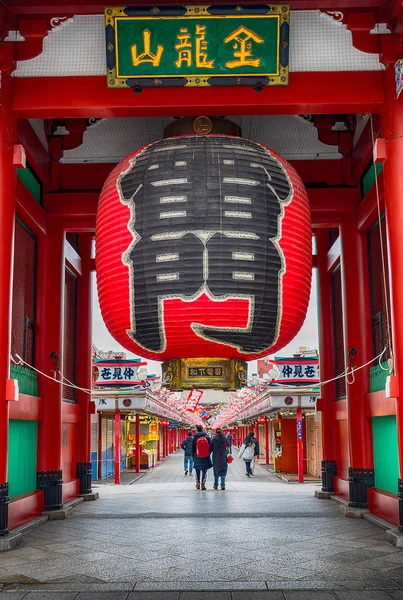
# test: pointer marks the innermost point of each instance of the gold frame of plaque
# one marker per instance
(208, 373)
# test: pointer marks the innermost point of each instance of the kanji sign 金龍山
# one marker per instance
(198, 44)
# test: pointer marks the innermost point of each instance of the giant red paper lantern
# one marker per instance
(203, 249)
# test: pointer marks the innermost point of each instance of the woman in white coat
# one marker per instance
(247, 452)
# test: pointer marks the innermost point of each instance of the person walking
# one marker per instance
(201, 457)
(218, 446)
(187, 447)
(230, 441)
(256, 452)
(247, 452)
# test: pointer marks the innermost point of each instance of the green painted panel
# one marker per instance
(27, 379)
(377, 377)
(386, 462)
(203, 45)
(22, 454)
(31, 182)
(369, 178)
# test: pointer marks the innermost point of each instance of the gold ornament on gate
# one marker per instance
(202, 125)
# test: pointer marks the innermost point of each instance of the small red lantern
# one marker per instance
(203, 250)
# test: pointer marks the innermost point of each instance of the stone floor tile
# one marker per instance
(199, 585)
(311, 595)
(257, 595)
(51, 596)
(102, 596)
(153, 596)
(364, 595)
(205, 596)
(12, 595)
(396, 594)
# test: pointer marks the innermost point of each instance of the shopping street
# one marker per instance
(160, 538)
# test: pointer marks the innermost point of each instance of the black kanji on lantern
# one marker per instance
(205, 217)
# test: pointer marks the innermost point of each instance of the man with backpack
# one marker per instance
(201, 457)
(187, 446)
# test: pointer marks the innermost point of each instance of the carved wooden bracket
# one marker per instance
(342, 138)
(59, 143)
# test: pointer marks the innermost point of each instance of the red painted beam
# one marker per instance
(323, 201)
(28, 408)
(30, 211)
(92, 176)
(71, 204)
(325, 93)
(37, 156)
(45, 7)
(377, 405)
(327, 220)
(333, 200)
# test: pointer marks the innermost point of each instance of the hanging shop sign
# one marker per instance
(299, 429)
(117, 373)
(204, 298)
(197, 45)
(297, 371)
(294, 401)
(193, 399)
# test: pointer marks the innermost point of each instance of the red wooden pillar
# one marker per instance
(7, 220)
(358, 350)
(266, 439)
(83, 369)
(257, 434)
(300, 446)
(49, 352)
(159, 444)
(138, 447)
(327, 359)
(117, 446)
(392, 126)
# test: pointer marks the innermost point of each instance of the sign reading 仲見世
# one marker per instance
(198, 45)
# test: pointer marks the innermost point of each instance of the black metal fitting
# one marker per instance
(359, 481)
(51, 484)
(329, 471)
(84, 474)
(4, 502)
(400, 503)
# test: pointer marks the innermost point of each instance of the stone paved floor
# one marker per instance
(160, 538)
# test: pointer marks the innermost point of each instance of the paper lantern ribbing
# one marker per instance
(203, 249)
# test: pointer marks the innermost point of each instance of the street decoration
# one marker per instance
(193, 399)
(297, 371)
(198, 45)
(203, 251)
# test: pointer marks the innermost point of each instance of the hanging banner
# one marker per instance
(193, 400)
(197, 44)
(116, 374)
(296, 371)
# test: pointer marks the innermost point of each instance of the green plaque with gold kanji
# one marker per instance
(197, 45)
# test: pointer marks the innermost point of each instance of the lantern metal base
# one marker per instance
(208, 373)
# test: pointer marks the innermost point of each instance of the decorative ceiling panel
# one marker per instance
(110, 140)
(317, 43)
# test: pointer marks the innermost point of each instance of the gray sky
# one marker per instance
(308, 335)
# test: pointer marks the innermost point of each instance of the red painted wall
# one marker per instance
(342, 456)
(69, 452)
(384, 505)
(289, 463)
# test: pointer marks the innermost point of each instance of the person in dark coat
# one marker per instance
(187, 447)
(201, 465)
(219, 445)
(230, 441)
